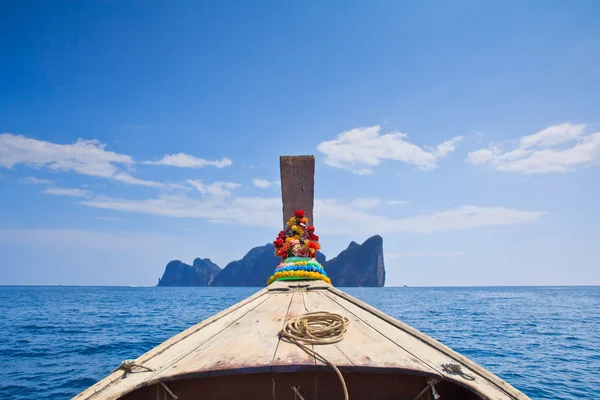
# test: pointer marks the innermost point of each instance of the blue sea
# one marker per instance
(57, 341)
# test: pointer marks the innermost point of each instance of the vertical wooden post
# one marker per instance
(297, 185)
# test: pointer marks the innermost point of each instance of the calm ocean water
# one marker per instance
(57, 341)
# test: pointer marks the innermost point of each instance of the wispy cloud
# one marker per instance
(109, 218)
(217, 210)
(131, 180)
(558, 148)
(361, 149)
(72, 192)
(365, 203)
(396, 202)
(215, 189)
(183, 160)
(329, 212)
(263, 183)
(86, 157)
(35, 181)
(265, 212)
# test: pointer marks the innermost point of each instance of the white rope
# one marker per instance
(316, 328)
(297, 393)
(128, 365)
(430, 384)
(169, 390)
(456, 369)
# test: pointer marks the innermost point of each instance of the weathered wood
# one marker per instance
(248, 344)
(297, 185)
(288, 356)
(243, 342)
(363, 346)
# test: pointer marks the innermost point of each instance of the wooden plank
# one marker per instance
(162, 356)
(297, 185)
(364, 347)
(289, 357)
(248, 344)
(312, 303)
(423, 347)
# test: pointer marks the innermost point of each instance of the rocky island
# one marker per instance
(358, 265)
(201, 273)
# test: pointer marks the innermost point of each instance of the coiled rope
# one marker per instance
(316, 328)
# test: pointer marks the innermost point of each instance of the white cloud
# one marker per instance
(35, 181)
(447, 147)
(251, 211)
(329, 212)
(72, 192)
(216, 189)
(86, 157)
(109, 218)
(360, 149)
(126, 178)
(558, 148)
(365, 203)
(183, 160)
(553, 135)
(263, 183)
(396, 202)
(480, 156)
(266, 212)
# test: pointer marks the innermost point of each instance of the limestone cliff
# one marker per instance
(201, 273)
(254, 269)
(358, 265)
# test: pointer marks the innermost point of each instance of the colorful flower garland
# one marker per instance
(297, 245)
(298, 239)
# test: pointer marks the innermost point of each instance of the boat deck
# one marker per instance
(243, 341)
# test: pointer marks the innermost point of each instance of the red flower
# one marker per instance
(310, 229)
(314, 237)
(299, 214)
(314, 245)
(278, 242)
(281, 235)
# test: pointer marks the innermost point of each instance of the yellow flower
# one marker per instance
(296, 237)
(288, 239)
(294, 227)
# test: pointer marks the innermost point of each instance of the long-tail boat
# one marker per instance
(300, 338)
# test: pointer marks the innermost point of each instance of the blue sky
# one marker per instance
(464, 133)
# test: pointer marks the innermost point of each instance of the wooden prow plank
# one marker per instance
(297, 185)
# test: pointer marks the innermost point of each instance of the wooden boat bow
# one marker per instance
(378, 353)
(239, 353)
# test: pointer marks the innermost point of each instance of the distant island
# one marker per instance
(358, 265)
